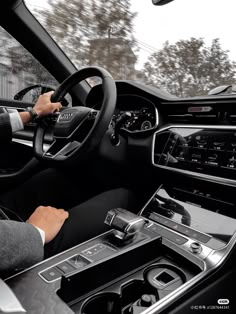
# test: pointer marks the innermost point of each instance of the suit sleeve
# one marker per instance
(20, 245)
(5, 128)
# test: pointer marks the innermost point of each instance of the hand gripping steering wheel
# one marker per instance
(77, 130)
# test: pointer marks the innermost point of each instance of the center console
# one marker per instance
(142, 265)
(146, 262)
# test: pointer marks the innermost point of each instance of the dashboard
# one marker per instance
(187, 150)
(188, 136)
(141, 113)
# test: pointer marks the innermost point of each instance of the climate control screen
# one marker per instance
(209, 151)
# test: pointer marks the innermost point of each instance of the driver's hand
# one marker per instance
(44, 106)
(49, 219)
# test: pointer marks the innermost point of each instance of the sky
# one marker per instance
(180, 19)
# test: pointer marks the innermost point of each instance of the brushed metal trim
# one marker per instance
(8, 301)
(28, 143)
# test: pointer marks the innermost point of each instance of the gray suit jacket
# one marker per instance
(20, 243)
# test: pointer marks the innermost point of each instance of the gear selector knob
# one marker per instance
(126, 223)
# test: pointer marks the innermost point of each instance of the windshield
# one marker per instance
(184, 47)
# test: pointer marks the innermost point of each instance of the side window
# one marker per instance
(19, 69)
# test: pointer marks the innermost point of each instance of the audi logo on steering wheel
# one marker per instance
(65, 117)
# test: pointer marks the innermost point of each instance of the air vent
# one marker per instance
(232, 117)
(182, 115)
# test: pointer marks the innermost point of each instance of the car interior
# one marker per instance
(178, 253)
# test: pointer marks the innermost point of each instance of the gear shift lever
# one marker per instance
(125, 223)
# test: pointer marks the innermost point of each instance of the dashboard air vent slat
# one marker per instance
(182, 116)
(232, 118)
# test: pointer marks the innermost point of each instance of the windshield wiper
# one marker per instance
(223, 90)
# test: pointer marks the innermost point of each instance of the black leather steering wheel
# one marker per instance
(77, 130)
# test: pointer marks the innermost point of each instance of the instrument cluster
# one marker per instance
(138, 113)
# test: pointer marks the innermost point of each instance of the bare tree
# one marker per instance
(94, 32)
(189, 67)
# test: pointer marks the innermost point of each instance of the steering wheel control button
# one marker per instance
(51, 274)
(195, 247)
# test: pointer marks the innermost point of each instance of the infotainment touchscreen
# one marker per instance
(171, 207)
(205, 150)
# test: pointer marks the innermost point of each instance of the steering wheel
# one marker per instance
(77, 130)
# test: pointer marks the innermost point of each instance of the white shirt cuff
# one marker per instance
(16, 122)
(42, 234)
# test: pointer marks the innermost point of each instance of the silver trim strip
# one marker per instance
(8, 301)
(28, 143)
(23, 142)
(15, 108)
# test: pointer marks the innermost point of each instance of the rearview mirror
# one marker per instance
(160, 2)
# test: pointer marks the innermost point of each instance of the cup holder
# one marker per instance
(105, 303)
(165, 278)
(136, 295)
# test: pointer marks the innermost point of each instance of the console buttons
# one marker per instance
(231, 163)
(177, 227)
(194, 234)
(197, 155)
(65, 267)
(94, 250)
(197, 236)
(195, 247)
(204, 238)
(78, 261)
(219, 145)
(51, 274)
(168, 234)
(155, 228)
(201, 143)
(213, 157)
(173, 237)
(109, 218)
(98, 252)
